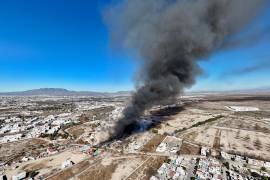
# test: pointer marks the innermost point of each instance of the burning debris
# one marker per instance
(171, 37)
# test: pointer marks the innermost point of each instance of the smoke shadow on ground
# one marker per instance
(153, 120)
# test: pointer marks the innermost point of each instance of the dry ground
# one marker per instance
(76, 131)
(15, 151)
(153, 143)
(112, 168)
(190, 149)
(246, 133)
(48, 165)
(148, 168)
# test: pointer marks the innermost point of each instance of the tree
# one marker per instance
(258, 144)
(237, 134)
(254, 174)
(247, 138)
(227, 165)
(263, 169)
(257, 127)
(154, 131)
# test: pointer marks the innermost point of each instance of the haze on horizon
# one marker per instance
(65, 44)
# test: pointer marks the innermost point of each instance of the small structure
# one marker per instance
(51, 151)
(225, 155)
(154, 178)
(161, 148)
(24, 159)
(96, 152)
(85, 148)
(204, 151)
(67, 163)
(266, 164)
(170, 145)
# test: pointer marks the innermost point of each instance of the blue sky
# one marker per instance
(65, 44)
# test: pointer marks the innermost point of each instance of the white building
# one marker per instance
(66, 164)
(161, 148)
(204, 151)
(266, 164)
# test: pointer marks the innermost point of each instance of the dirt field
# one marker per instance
(246, 142)
(16, 150)
(206, 136)
(112, 168)
(185, 119)
(188, 148)
(71, 172)
(216, 144)
(153, 143)
(127, 166)
(241, 132)
(75, 131)
(46, 166)
(146, 170)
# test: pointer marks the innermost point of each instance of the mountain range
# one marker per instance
(65, 92)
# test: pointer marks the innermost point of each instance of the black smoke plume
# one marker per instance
(171, 36)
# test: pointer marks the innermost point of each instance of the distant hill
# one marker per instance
(63, 92)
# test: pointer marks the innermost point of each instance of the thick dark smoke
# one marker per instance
(171, 36)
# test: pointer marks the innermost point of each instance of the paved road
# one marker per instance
(224, 176)
(191, 170)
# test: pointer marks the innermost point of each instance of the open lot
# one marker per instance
(14, 151)
(48, 165)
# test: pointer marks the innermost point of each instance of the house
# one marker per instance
(226, 156)
(25, 159)
(51, 151)
(162, 147)
(154, 178)
(162, 170)
(181, 171)
(179, 160)
(267, 165)
(204, 151)
(171, 174)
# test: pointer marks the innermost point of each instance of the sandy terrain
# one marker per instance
(16, 151)
(112, 167)
(246, 142)
(47, 165)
